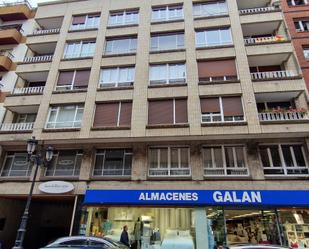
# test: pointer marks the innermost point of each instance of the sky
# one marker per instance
(32, 2)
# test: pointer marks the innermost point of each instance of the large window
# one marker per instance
(214, 37)
(79, 49)
(167, 74)
(69, 80)
(224, 160)
(121, 45)
(16, 164)
(85, 22)
(221, 109)
(169, 161)
(302, 25)
(167, 41)
(210, 9)
(306, 52)
(123, 18)
(113, 162)
(26, 118)
(167, 13)
(283, 159)
(65, 163)
(66, 116)
(117, 77)
(297, 2)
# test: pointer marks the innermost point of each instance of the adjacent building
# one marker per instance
(190, 117)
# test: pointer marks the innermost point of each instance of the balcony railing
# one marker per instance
(273, 75)
(225, 171)
(36, 59)
(6, 4)
(172, 172)
(7, 54)
(283, 116)
(268, 39)
(16, 127)
(46, 31)
(258, 10)
(29, 90)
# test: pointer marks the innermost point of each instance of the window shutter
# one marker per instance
(216, 68)
(125, 114)
(160, 112)
(106, 115)
(79, 19)
(65, 78)
(232, 106)
(210, 105)
(82, 78)
(181, 113)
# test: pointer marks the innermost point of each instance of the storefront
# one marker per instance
(161, 219)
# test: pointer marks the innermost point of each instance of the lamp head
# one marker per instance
(49, 153)
(31, 145)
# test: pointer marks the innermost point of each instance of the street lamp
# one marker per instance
(38, 160)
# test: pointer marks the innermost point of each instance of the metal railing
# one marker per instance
(273, 75)
(165, 172)
(281, 116)
(11, 26)
(36, 59)
(225, 171)
(20, 2)
(16, 126)
(258, 10)
(46, 31)
(7, 54)
(29, 90)
(264, 39)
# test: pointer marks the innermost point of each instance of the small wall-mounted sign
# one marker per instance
(56, 187)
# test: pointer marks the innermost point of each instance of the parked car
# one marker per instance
(81, 242)
(260, 246)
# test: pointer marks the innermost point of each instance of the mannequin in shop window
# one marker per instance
(124, 238)
(96, 224)
(138, 228)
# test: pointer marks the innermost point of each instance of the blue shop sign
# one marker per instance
(199, 197)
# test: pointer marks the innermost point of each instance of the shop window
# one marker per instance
(16, 164)
(65, 163)
(167, 13)
(70, 80)
(283, 159)
(214, 37)
(210, 9)
(167, 74)
(215, 227)
(161, 42)
(113, 162)
(169, 161)
(225, 160)
(117, 77)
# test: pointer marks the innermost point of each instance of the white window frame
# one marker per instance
(167, 10)
(127, 151)
(306, 52)
(21, 118)
(161, 47)
(57, 109)
(234, 119)
(79, 54)
(219, 43)
(169, 169)
(225, 168)
(204, 14)
(127, 51)
(117, 83)
(56, 157)
(124, 13)
(168, 80)
(91, 22)
(302, 26)
(283, 165)
(29, 170)
(68, 86)
(294, 4)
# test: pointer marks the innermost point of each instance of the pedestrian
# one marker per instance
(124, 238)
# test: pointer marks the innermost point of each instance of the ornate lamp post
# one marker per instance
(37, 160)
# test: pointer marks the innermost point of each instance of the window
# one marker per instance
(85, 22)
(210, 9)
(117, 114)
(113, 162)
(123, 18)
(117, 77)
(121, 46)
(167, 42)
(171, 111)
(16, 164)
(297, 2)
(66, 116)
(216, 71)
(26, 118)
(301, 25)
(167, 74)
(65, 163)
(167, 13)
(79, 49)
(169, 161)
(221, 109)
(224, 160)
(283, 159)
(306, 52)
(69, 80)
(215, 37)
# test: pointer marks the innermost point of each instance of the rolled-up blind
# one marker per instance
(232, 106)
(125, 114)
(210, 105)
(82, 78)
(160, 112)
(217, 68)
(181, 113)
(106, 114)
(65, 78)
(79, 19)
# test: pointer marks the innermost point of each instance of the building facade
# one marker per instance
(189, 117)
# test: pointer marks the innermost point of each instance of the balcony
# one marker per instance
(38, 59)
(176, 172)
(284, 115)
(259, 10)
(16, 127)
(46, 31)
(28, 90)
(5, 61)
(264, 40)
(10, 34)
(273, 75)
(19, 10)
(246, 7)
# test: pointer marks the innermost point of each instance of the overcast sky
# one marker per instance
(32, 2)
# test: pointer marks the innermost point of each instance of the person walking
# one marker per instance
(124, 238)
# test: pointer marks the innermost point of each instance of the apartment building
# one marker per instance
(187, 116)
